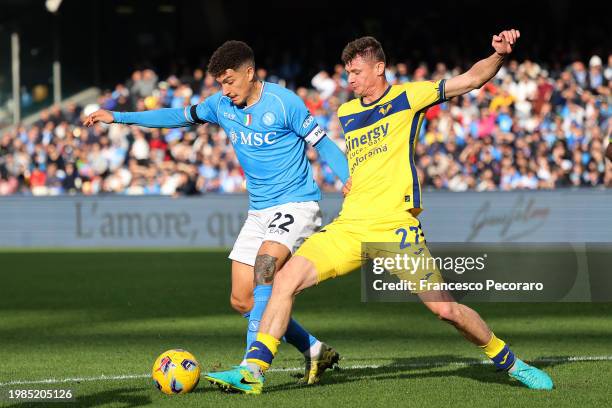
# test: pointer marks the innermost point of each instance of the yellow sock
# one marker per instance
(269, 341)
(262, 351)
(493, 347)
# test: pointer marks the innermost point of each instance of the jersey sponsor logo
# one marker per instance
(372, 136)
(308, 121)
(359, 159)
(252, 138)
(268, 118)
(233, 136)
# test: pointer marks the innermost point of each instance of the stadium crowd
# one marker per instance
(530, 128)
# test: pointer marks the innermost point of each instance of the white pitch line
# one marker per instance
(76, 379)
(289, 369)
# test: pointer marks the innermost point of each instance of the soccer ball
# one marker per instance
(176, 372)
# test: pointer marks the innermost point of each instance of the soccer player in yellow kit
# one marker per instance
(381, 129)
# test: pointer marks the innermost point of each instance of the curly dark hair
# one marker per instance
(365, 47)
(230, 55)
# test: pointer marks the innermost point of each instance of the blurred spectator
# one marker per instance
(529, 128)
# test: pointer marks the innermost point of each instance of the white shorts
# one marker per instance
(288, 224)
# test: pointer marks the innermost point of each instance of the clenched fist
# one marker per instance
(504, 42)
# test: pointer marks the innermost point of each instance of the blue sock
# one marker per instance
(295, 335)
(261, 295)
(298, 337)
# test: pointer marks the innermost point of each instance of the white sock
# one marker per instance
(314, 350)
(255, 370)
(513, 368)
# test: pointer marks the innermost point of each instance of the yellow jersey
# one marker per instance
(380, 140)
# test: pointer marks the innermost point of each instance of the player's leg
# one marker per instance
(296, 274)
(325, 255)
(241, 297)
(469, 323)
(287, 227)
(270, 258)
(466, 320)
(243, 256)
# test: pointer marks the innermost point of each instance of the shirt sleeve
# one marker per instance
(423, 94)
(205, 112)
(159, 118)
(332, 154)
(305, 126)
(301, 121)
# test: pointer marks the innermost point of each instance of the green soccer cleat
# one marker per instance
(315, 367)
(532, 377)
(238, 379)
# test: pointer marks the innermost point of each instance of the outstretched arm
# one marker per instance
(485, 69)
(159, 118)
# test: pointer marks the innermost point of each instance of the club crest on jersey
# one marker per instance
(268, 118)
(385, 109)
(248, 119)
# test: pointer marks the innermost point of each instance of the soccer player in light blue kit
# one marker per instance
(269, 127)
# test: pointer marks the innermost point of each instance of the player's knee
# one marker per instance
(286, 281)
(447, 311)
(241, 304)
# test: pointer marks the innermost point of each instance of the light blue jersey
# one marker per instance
(269, 138)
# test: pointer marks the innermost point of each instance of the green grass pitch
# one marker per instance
(82, 319)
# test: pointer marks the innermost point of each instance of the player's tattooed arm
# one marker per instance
(265, 268)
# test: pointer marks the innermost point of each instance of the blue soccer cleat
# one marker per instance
(532, 377)
(239, 379)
